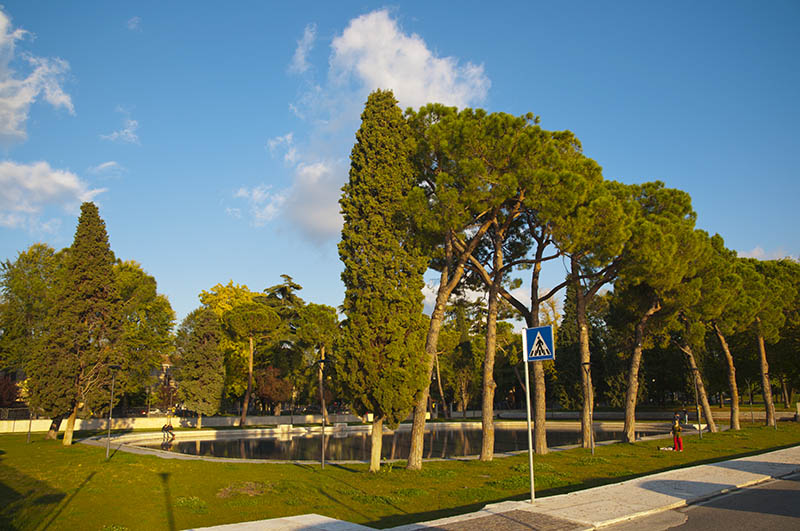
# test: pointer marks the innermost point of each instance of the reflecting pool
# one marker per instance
(441, 441)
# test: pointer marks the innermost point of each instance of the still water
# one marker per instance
(440, 441)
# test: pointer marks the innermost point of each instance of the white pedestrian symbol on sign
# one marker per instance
(540, 347)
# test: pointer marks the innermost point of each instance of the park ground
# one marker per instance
(44, 485)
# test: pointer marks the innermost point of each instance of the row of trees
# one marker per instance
(71, 320)
(484, 196)
(481, 198)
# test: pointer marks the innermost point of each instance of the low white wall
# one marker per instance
(143, 423)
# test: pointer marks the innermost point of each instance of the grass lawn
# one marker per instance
(44, 485)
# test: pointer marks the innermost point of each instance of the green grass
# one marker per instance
(44, 485)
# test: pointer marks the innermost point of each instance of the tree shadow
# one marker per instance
(63, 505)
(770, 468)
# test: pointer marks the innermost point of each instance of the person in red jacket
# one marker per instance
(677, 442)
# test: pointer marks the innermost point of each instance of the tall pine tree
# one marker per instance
(70, 371)
(381, 353)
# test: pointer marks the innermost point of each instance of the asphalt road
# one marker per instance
(769, 506)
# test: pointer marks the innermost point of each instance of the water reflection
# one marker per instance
(440, 441)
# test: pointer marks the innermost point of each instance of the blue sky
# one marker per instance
(215, 137)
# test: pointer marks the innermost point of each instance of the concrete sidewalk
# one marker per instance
(585, 509)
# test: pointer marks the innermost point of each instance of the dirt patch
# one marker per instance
(245, 488)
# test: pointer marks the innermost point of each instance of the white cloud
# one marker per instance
(127, 134)
(286, 143)
(759, 253)
(134, 23)
(27, 190)
(374, 50)
(263, 203)
(18, 93)
(313, 200)
(299, 62)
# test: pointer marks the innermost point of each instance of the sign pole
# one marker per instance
(537, 345)
(530, 435)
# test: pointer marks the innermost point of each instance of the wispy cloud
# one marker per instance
(285, 144)
(27, 190)
(18, 92)
(263, 203)
(371, 52)
(127, 134)
(134, 23)
(299, 62)
(110, 169)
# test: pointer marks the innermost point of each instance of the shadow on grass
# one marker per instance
(66, 502)
(19, 494)
(168, 500)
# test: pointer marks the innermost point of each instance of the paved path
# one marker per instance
(586, 509)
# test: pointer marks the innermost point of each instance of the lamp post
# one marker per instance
(114, 369)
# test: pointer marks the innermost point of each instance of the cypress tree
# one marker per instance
(201, 370)
(381, 354)
(70, 371)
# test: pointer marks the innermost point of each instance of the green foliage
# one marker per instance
(284, 349)
(250, 320)
(221, 299)
(25, 284)
(147, 321)
(380, 355)
(83, 325)
(200, 368)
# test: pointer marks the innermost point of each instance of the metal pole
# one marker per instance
(322, 394)
(110, 408)
(530, 435)
(30, 422)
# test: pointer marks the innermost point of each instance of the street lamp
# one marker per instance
(113, 368)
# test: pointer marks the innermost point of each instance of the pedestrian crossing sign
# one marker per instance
(537, 343)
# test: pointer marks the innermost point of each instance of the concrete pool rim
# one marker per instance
(130, 442)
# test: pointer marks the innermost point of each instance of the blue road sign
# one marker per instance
(537, 343)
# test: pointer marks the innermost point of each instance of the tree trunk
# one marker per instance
(441, 391)
(246, 402)
(732, 387)
(629, 431)
(701, 390)
(447, 284)
(55, 425)
(68, 431)
(769, 406)
(785, 392)
(199, 421)
(377, 441)
(322, 406)
(539, 410)
(587, 413)
(431, 343)
(489, 385)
